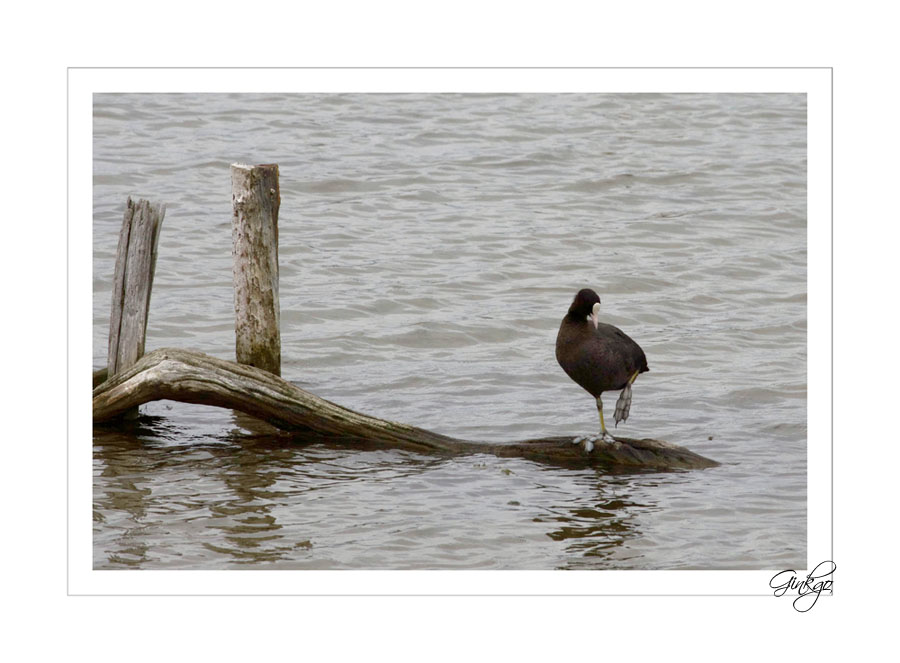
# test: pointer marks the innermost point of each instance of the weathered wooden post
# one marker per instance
(132, 284)
(255, 199)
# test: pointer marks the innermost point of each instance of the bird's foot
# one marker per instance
(623, 405)
(588, 440)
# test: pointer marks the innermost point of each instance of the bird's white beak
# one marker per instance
(595, 315)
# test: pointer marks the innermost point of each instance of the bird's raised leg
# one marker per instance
(604, 435)
(623, 405)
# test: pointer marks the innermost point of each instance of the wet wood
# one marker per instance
(133, 283)
(256, 199)
(99, 377)
(193, 377)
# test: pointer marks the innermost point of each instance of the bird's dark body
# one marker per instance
(601, 359)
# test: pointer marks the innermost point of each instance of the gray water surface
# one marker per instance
(429, 247)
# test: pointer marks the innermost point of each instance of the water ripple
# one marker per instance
(429, 245)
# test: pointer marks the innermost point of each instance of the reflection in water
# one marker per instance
(277, 501)
(245, 521)
(232, 494)
(164, 498)
(123, 497)
(593, 532)
(600, 524)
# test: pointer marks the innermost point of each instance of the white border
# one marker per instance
(82, 579)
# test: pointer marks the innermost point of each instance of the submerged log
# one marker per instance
(193, 377)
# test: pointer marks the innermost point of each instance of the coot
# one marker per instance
(599, 357)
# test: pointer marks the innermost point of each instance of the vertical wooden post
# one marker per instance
(255, 199)
(132, 284)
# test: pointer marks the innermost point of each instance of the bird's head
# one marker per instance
(586, 305)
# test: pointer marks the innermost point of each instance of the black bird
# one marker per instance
(599, 357)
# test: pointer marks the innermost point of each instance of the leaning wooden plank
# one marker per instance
(193, 377)
(133, 283)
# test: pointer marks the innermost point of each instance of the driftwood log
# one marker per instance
(193, 377)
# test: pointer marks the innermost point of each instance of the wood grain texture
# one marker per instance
(256, 199)
(133, 283)
(193, 377)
